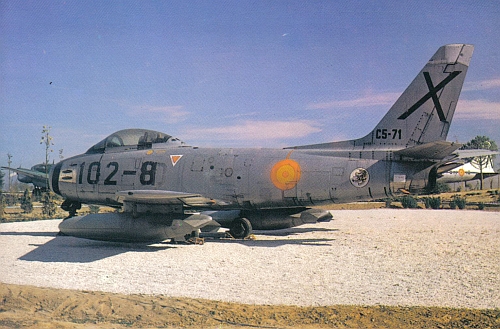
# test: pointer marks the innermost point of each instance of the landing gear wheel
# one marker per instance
(241, 228)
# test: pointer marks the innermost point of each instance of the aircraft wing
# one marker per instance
(30, 176)
(437, 150)
(163, 197)
(464, 158)
(463, 154)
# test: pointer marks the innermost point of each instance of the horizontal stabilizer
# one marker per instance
(472, 153)
(435, 150)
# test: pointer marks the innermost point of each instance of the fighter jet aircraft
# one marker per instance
(168, 189)
(37, 175)
(470, 170)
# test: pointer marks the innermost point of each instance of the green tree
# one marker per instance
(47, 140)
(480, 162)
(48, 205)
(480, 142)
(2, 174)
(2, 205)
(26, 203)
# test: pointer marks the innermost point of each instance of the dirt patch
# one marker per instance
(32, 307)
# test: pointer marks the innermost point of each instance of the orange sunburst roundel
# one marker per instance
(285, 174)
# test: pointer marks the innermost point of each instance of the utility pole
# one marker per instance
(9, 162)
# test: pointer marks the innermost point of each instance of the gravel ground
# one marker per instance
(364, 257)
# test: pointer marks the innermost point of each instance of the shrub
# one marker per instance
(458, 201)
(26, 203)
(442, 188)
(388, 203)
(409, 202)
(480, 206)
(94, 209)
(48, 205)
(2, 205)
(433, 203)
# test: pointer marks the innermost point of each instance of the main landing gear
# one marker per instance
(241, 228)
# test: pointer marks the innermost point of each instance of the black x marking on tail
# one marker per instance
(433, 90)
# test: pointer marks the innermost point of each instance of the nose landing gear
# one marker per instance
(71, 206)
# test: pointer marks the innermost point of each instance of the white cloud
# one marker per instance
(478, 110)
(482, 85)
(365, 101)
(165, 114)
(257, 130)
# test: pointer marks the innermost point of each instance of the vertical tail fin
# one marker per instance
(424, 111)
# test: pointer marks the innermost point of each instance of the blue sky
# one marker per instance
(230, 73)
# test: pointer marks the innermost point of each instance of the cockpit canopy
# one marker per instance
(133, 139)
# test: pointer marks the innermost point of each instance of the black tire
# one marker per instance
(241, 228)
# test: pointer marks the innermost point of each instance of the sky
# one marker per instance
(230, 73)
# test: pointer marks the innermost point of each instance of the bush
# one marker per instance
(26, 203)
(48, 205)
(433, 203)
(442, 188)
(458, 201)
(93, 209)
(409, 202)
(9, 199)
(2, 205)
(480, 206)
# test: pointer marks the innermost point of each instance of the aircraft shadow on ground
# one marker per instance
(288, 232)
(277, 243)
(47, 234)
(64, 249)
(295, 230)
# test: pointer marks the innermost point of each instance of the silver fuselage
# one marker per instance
(236, 177)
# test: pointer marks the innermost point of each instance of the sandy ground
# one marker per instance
(429, 267)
